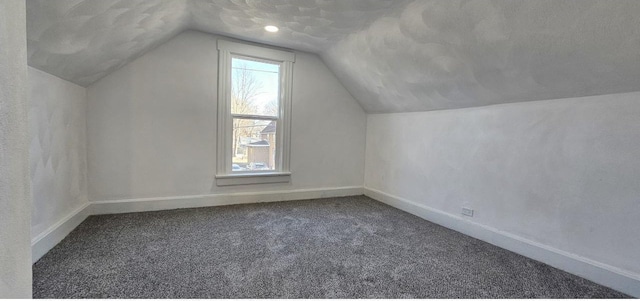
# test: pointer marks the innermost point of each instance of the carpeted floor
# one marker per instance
(350, 247)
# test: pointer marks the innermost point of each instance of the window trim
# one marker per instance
(224, 174)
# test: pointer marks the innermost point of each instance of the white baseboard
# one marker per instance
(45, 241)
(618, 279)
(613, 277)
(167, 203)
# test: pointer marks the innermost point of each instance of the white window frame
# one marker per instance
(225, 176)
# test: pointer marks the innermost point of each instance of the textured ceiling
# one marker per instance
(447, 54)
(393, 56)
(83, 40)
(309, 25)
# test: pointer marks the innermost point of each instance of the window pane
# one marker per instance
(254, 87)
(253, 145)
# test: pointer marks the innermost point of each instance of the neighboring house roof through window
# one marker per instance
(270, 128)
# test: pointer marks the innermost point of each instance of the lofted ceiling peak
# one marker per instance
(393, 56)
(84, 40)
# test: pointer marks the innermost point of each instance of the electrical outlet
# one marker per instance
(467, 211)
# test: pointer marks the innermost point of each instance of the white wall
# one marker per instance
(562, 173)
(57, 151)
(152, 126)
(15, 200)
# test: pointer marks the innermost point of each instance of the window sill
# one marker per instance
(253, 178)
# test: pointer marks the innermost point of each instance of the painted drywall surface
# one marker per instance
(84, 40)
(564, 173)
(152, 126)
(392, 55)
(437, 54)
(15, 199)
(305, 25)
(57, 151)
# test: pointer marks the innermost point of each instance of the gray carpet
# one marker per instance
(350, 247)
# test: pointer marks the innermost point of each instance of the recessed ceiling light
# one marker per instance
(271, 28)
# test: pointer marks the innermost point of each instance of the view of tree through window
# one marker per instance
(254, 107)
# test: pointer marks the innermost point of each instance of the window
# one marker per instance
(254, 108)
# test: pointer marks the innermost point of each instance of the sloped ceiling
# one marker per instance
(453, 54)
(393, 56)
(309, 25)
(83, 40)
